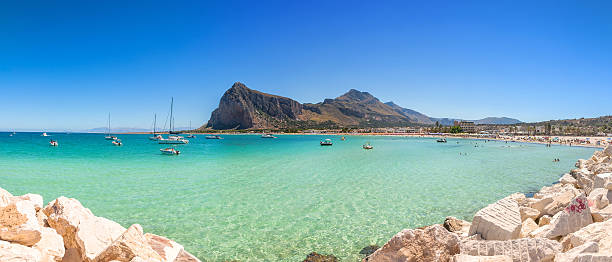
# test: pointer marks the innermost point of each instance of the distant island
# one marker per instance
(244, 108)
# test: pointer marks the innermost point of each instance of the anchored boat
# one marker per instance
(367, 146)
(169, 151)
(267, 136)
(326, 142)
(53, 143)
(214, 137)
(173, 139)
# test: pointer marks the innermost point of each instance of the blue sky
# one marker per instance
(66, 64)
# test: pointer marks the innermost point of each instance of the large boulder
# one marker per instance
(468, 258)
(572, 255)
(498, 221)
(80, 229)
(568, 179)
(460, 227)
(600, 215)
(433, 243)
(600, 197)
(37, 200)
(18, 223)
(574, 217)
(600, 180)
(528, 212)
(185, 256)
(5, 197)
(10, 252)
(544, 220)
(51, 245)
(166, 248)
(132, 243)
(524, 249)
(528, 226)
(584, 179)
(601, 233)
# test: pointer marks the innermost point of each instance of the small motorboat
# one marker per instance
(117, 142)
(191, 136)
(53, 143)
(110, 138)
(441, 140)
(326, 142)
(44, 134)
(169, 151)
(367, 146)
(267, 136)
(214, 137)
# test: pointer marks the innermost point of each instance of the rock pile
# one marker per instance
(66, 231)
(566, 222)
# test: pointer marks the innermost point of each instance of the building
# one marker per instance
(466, 126)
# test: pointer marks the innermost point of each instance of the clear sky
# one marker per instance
(66, 64)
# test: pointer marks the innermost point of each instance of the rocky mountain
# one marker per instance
(244, 108)
(497, 121)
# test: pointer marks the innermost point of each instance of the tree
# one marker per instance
(456, 129)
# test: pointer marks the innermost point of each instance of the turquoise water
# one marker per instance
(251, 199)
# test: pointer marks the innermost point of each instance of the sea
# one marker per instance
(245, 198)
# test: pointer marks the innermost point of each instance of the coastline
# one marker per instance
(568, 221)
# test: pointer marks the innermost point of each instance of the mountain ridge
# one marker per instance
(243, 108)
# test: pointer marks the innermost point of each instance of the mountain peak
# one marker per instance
(356, 95)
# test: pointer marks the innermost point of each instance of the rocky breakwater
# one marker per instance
(567, 222)
(64, 230)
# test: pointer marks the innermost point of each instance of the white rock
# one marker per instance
(18, 253)
(528, 226)
(18, 223)
(468, 258)
(575, 216)
(185, 256)
(568, 179)
(80, 229)
(571, 255)
(5, 197)
(544, 220)
(165, 247)
(132, 243)
(37, 200)
(433, 243)
(51, 245)
(498, 221)
(524, 249)
(600, 197)
(541, 203)
(584, 178)
(600, 180)
(600, 215)
(601, 233)
(608, 151)
(528, 212)
(540, 232)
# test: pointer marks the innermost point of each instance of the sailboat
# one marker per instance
(173, 139)
(108, 134)
(190, 135)
(155, 136)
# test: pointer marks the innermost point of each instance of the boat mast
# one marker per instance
(171, 117)
(154, 123)
(108, 124)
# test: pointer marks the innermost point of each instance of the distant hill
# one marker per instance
(497, 121)
(243, 108)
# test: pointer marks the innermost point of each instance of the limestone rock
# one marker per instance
(544, 220)
(600, 197)
(600, 181)
(498, 221)
(166, 248)
(468, 258)
(540, 232)
(568, 179)
(575, 216)
(18, 253)
(79, 228)
(51, 245)
(541, 204)
(132, 243)
(433, 243)
(185, 256)
(584, 179)
(37, 200)
(600, 215)
(520, 198)
(608, 151)
(528, 226)
(18, 223)
(528, 212)
(524, 249)
(461, 227)
(560, 201)
(571, 255)
(5, 197)
(42, 219)
(601, 233)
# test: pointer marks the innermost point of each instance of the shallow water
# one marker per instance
(251, 199)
